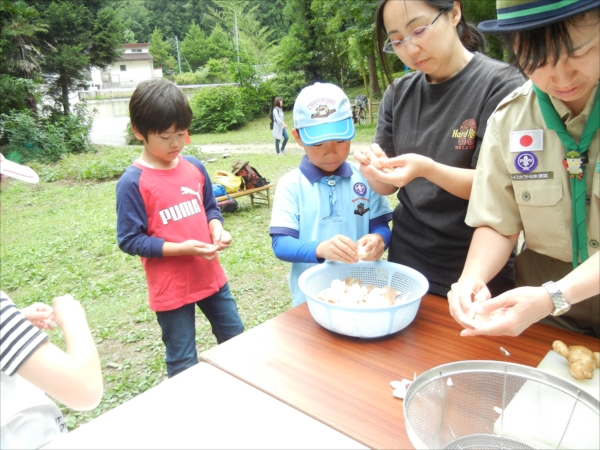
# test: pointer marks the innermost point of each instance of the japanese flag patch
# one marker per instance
(526, 141)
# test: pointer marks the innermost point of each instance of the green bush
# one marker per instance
(16, 93)
(45, 139)
(287, 86)
(217, 109)
(256, 101)
(200, 76)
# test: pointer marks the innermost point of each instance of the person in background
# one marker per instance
(430, 126)
(324, 209)
(539, 172)
(279, 126)
(167, 214)
(32, 367)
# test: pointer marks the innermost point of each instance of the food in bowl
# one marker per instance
(352, 292)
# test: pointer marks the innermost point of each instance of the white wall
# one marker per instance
(136, 72)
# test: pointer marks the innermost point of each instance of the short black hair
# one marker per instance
(541, 46)
(157, 105)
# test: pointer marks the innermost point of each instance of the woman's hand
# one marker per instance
(519, 307)
(462, 296)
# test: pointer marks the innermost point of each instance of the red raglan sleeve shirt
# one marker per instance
(175, 205)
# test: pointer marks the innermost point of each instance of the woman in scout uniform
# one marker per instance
(539, 172)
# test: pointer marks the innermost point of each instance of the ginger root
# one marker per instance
(581, 359)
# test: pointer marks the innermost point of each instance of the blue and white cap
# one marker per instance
(322, 112)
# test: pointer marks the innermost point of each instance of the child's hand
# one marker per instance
(222, 239)
(199, 248)
(39, 314)
(338, 248)
(370, 247)
(67, 311)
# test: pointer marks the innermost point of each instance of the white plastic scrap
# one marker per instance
(400, 387)
(449, 382)
(498, 410)
(503, 350)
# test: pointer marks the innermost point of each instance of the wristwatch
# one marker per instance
(561, 305)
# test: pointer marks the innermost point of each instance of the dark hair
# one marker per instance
(156, 106)
(277, 102)
(469, 35)
(540, 46)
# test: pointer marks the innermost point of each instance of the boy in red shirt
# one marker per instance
(167, 214)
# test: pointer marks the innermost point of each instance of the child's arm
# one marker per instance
(132, 219)
(73, 377)
(291, 249)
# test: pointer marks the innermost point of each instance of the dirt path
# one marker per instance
(290, 148)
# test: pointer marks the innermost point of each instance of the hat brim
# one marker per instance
(494, 26)
(12, 169)
(342, 130)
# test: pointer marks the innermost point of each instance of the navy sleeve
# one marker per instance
(210, 203)
(290, 249)
(132, 219)
(384, 230)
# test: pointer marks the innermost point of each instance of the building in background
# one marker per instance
(135, 66)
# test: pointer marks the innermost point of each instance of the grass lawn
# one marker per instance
(59, 237)
(258, 132)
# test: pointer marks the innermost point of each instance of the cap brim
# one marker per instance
(12, 169)
(342, 130)
(493, 26)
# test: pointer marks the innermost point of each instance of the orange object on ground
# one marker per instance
(187, 137)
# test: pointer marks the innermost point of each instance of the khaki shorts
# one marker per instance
(534, 269)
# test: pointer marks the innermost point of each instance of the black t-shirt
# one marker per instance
(446, 123)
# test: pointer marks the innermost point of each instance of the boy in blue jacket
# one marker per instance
(325, 209)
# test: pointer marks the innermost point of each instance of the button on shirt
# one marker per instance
(538, 202)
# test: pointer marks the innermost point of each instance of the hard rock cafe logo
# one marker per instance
(465, 135)
(321, 112)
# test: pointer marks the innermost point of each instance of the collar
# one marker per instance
(313, 173)
(565, 113)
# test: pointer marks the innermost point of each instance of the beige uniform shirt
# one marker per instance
(538, 202)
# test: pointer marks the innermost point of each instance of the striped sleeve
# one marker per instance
(18, 337)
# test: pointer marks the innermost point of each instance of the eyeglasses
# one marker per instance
(414, 35)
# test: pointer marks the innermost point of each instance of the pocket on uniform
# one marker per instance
(543, 212)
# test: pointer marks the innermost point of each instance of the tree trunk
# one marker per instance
(65, 95)
(364, 75)
(32, 104)
(373, 79)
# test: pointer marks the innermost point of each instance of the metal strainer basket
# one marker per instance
(498, 405)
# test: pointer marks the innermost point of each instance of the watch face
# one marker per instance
(561, 308)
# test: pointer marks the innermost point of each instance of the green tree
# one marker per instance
(477, 11)
(354, 25)
(19, 53)
(136, 18)
(160, 51)
(253, 39)
(219, 45)
(78, 37)
(193, 47)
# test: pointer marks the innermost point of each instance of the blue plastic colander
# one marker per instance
(360, 321)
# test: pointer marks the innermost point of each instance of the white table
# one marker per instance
(204, 407)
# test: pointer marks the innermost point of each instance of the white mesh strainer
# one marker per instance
(498, 405)
(361, 321)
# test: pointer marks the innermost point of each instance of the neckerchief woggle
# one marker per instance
(578, 186)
